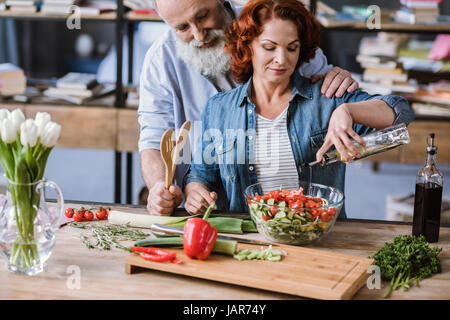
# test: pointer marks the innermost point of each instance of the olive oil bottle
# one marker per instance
(375, 142)
(428, 197)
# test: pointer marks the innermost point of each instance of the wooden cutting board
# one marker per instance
(303, 271)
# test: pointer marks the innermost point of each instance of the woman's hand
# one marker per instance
(198, 198)
(339, 131)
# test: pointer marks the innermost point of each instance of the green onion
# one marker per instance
(221, 223)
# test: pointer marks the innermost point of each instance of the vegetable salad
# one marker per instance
(288, 216)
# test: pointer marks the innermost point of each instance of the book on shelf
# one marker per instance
(29, 94)
(387, 65)
(374, 46)
(430, 109)
(22, 9)
(58, 7)
(375, 59)
(440, 86)
(402, 16)
(380, 76)
(377, 69)
(138, 4)
(421, 3)
(12, 79)
(61, 2)
(76, 80)
(388, 87)
(76, 92)
(424, 95)
(97, 7)
(105, 90)
(412, 12)
(21, 3)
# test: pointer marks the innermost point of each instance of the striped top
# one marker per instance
(274, 159)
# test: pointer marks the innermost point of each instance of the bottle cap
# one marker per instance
(431, 148)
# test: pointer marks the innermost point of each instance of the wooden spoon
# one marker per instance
(183, 137)
(166, 148)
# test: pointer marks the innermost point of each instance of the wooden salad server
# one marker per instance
(170, 152)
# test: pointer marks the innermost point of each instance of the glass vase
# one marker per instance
(28, 226)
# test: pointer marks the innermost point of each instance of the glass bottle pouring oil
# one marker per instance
(375, 142)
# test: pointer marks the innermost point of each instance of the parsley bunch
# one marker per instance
(407, 260)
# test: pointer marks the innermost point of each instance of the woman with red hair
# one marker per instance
(263, 130)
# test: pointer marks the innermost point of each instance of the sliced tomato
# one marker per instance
(274, 210)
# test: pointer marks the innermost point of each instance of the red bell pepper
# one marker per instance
(199, 236)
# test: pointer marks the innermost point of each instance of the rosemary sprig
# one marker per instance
(106, 236)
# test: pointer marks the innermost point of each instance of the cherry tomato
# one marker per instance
(324, 216)
(101, 214)
(314, 213)
(332, 211)
(78, 216)
(88, 215)
(69, 212)
(274, 209)
(266, 218)
(296, 205)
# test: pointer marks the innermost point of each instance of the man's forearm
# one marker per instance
(152, 167)
(373, 113)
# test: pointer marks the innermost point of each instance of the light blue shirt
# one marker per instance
(171, 93)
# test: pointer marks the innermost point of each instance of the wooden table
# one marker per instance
(102, 273)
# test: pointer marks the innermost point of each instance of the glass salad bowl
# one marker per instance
(294, 217)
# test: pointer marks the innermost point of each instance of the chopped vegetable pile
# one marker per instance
(407, 260)
(263, 254)
(289, 216)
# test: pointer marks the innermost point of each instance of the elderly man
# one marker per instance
(182, 70)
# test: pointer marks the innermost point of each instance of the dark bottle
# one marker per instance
(428, 197)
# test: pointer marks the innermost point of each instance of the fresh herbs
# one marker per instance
(106, 236)
(407, 260)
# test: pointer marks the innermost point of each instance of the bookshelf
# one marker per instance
(420, 128)
(385, 27)
(111, 125)
(109, 16)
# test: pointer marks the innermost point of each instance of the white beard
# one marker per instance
(210, 62)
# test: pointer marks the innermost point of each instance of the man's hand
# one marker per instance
(198, 198)
(339, 131)
(162, 201)
(337, 81)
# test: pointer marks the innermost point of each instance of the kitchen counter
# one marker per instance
(74, 271)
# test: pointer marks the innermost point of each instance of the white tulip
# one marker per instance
(41, 120)
(50, 135)
(28, 133)
(4, 114)
(7, 132)
(17, 119)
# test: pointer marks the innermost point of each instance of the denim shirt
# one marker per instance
(228, 129)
